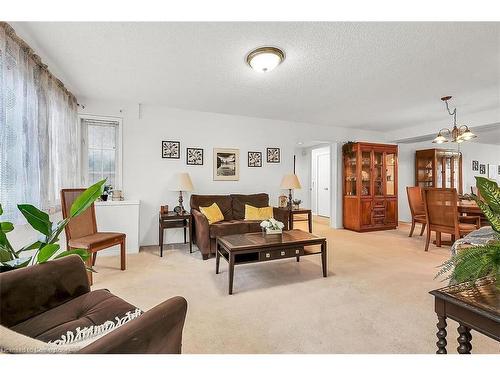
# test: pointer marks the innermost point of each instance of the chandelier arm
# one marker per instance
(454, 113)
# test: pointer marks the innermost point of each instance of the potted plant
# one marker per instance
(272, 226)
(475, 262)
(47, 247)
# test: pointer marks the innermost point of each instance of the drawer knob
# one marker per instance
(282, 253)
(268, 255)
(297, 251)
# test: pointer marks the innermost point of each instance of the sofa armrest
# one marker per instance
(32, 290)
(201, 231)
(158, 330)
(281, 214)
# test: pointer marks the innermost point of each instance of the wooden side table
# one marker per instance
(173, 220)
(473, 308)
(301, 211)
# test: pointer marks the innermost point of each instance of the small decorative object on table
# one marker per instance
(296, 203)
(108, 190)
(282, 201)
(272, 226)
(117, 195)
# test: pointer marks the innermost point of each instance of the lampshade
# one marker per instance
(182, 182)
(290, 181)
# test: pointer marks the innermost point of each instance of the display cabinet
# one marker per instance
(370, 186)
(438, 168)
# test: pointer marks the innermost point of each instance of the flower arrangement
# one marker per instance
(272, 226)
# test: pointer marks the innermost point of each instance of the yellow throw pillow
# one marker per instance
(254, 213)
(212, 213)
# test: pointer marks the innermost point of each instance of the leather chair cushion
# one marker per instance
(239, 200)
(90, 309)
(99, 239)
(225, 228)
(223, 201)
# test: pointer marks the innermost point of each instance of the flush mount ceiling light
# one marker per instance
(457, 134)
(265, 59)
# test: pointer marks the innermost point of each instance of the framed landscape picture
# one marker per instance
(194, 156)
(226, 164)
(273, 155)
(254, 159)
(171, 149)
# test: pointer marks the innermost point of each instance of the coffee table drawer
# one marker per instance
(280, 253)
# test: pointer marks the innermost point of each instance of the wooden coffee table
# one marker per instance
(258, 247)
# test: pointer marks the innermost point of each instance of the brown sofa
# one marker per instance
(47, 300)
(233, 209)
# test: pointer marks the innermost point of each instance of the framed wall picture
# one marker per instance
(482, 169)
(475, 165)
(171, 149)
(226, 164)
(273, 155)
(194, 156)
(492, 171)
(254, 159)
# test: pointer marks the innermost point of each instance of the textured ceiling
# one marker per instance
(380, 76)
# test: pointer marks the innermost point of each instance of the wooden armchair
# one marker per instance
(441, 211)
(416, 203)
(81, 232)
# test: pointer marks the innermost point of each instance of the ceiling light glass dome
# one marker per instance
(265, 59)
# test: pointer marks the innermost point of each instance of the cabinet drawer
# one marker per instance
(378, 203)
(280, 253)
(379, 212)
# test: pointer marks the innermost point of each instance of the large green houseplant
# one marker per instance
(46, 247)
(476, 262)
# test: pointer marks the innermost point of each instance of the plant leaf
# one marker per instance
(1, 209)
(39, 220)
(6, 227)
(489, 192)
(5, 254)
(493, 218)
(84, 200)
(46, 252)
(84, 254)
(33, 246)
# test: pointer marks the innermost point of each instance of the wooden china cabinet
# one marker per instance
(370, 187)
(438, 168)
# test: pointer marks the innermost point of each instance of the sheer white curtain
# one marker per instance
(38, 130)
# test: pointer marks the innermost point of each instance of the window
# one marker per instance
(101, 156)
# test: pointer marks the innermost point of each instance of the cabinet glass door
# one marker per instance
(378, 172)
(366, 172)
(424, 171)
(390, 174)
(350, 174)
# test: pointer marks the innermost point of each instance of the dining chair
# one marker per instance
(441, 211)
(81, 231)
(416, 203)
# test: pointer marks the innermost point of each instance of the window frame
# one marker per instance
(83, 145)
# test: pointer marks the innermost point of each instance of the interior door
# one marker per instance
(323, 185)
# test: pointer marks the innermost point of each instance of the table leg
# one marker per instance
(323, 258)
(438, 239)
(441, 335)
(291, 220)
(310, 222)
(464, 338)
(185, 224)
(161, 240)
(123, 255)
(231, 272)
(190, 235)
(217, 258)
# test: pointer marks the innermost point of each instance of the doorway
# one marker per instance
(320, 181)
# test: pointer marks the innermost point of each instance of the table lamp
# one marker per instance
(182, 182)
(290, 181)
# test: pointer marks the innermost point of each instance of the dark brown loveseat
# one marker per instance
(233, 209)
(47, 300)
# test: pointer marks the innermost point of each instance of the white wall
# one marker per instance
(146, 175)
(484, 153)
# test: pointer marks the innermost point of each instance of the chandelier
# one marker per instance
(458, 134)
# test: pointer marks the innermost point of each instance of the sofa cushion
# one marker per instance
(225, 228)
(253, 226)
(92, 308)
(223, 201)
(212, 213)
(239, 201)
(255, 213)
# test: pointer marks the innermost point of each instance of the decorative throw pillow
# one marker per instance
(212, 213)
(255, 213)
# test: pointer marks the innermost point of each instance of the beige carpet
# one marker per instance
(375, 299)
